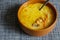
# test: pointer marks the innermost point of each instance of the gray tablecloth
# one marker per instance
(9, 26)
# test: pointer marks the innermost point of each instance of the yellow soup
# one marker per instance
(35, 19)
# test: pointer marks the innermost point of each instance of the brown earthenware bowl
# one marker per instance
(42, 31)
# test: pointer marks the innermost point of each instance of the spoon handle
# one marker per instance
(44, 4)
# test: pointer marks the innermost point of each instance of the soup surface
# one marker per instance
(35, 19)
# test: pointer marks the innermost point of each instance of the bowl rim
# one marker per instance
(39, 29)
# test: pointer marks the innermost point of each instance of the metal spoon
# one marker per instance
(44, 4)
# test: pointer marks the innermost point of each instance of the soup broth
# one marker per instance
(35, 19)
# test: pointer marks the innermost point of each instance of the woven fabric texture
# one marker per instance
(9, 26)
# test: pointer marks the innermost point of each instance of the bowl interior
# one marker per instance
(32, 2)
